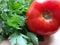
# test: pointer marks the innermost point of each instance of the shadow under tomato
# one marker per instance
(47, 41)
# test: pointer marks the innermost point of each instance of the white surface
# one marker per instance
(40, 1)
(52, 40)
(55, 38)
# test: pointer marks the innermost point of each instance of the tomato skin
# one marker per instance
(37, 24)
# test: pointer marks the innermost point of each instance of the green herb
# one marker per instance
(12, 22)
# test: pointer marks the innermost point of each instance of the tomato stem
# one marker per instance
(47, 15)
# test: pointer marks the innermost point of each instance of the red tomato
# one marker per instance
(42, 17)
